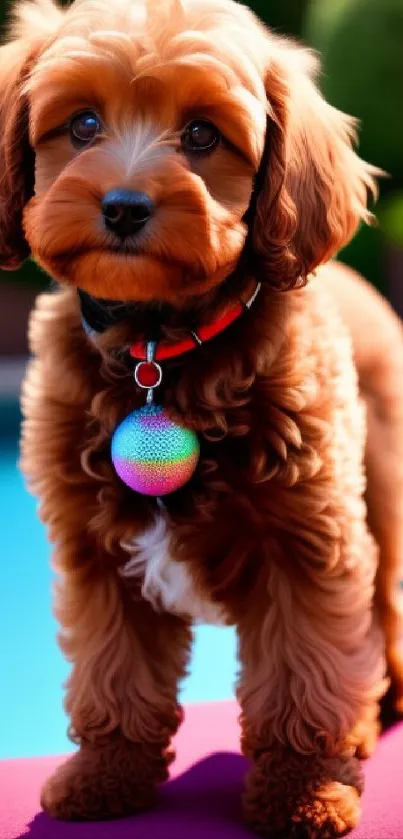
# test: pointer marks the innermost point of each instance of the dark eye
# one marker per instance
(200, 135)
(83, 128)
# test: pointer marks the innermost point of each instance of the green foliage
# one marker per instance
(361, 45)
(28, 274)
(285, 16)
(390, 214)
(320, 20)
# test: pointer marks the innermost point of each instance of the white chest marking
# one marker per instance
(167, 584)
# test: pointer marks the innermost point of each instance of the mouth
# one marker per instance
(125, 249)
(127, 254)
(127, 273)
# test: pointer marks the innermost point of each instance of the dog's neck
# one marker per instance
(156, 321)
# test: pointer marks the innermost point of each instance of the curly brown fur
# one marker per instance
(277, 531)
(113, 778)
(295, 796)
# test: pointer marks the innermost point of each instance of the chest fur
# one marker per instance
(167, 584)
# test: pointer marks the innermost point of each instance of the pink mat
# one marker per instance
(202, 799)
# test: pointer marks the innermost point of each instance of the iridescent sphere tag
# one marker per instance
(152, 454)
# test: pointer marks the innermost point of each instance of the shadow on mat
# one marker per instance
(202, 803)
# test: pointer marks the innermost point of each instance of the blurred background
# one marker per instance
(361, 42)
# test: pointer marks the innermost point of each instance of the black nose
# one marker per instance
(125, 212)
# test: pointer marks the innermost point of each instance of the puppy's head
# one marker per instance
(130, 141)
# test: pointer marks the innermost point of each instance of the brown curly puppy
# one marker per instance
(164, 162)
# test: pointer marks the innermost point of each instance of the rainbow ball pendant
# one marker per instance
(153, 455)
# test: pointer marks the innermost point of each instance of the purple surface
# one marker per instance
(203, 802)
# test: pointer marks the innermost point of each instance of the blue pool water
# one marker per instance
(32, 671)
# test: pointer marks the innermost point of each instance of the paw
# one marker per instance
(294, 798)
(332, 812)
(103, 783)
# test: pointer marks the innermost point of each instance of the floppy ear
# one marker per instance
(31, 24)
(16, 155)
(315, 187)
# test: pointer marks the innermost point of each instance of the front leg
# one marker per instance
(312, 674)
(121, 698)
(126, 659)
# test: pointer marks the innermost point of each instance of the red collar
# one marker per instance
(163, 352)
